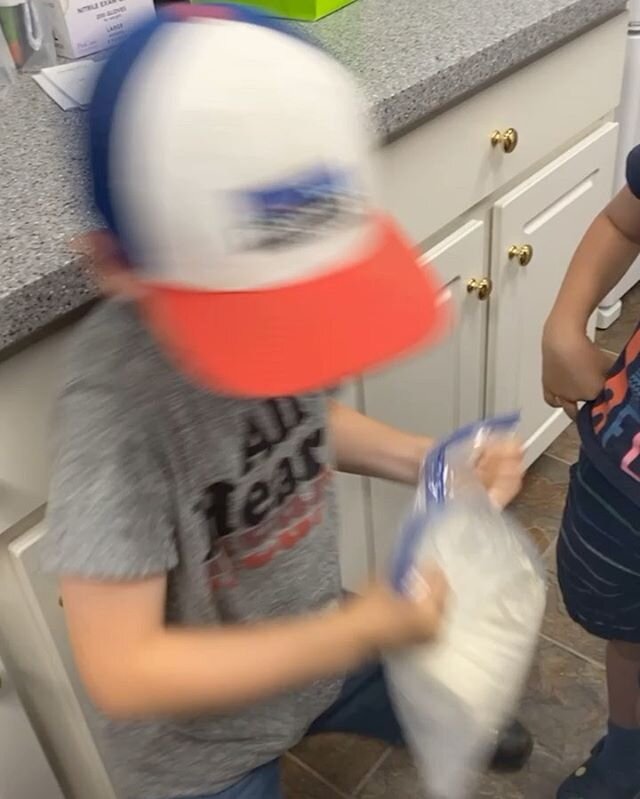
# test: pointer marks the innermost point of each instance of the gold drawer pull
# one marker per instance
(482, 288)
(523, 253)
(507, 139)
(60, 602)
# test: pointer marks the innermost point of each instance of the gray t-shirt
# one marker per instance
(232, 498)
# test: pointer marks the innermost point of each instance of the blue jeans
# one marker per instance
(363, 708)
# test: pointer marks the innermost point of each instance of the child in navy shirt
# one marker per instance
(599, 543)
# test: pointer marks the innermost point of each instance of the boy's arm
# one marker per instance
(574, 368)
(368, 447)
(604, 255)
(134, 665)
(371, 448)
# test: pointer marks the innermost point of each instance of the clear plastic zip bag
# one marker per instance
(453, 695)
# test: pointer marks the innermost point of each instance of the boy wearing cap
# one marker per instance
(192, 513)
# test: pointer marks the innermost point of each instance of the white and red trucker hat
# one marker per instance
(231, 157)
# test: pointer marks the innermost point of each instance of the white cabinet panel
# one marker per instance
(24, 771)
(436, 390)
(33, 623)
(42, 594)
(29, 382)
(550, 213)
(439, 170)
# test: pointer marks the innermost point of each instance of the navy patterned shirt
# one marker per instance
(610, 425)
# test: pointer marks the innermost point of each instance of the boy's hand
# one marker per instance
(387, 620)
(500, 467)
(574, 369)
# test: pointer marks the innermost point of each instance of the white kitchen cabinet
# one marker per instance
(439, 389)
(33, 622)
(29, 381)
(42, 594)
(438, 171)
(24, 771)
(549, 214)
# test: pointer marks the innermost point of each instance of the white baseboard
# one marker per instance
(544, 437)
(605, 317)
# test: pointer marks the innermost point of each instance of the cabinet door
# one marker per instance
(29, 383)
(436, 390)
(24, 771)
(548, 213)
(35, 636)
(355, 547)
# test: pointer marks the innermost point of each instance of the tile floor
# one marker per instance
(564, 704)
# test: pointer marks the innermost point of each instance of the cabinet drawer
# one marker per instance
(436, 172)
(29, 382)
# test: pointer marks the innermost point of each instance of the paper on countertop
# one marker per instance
(70, 85)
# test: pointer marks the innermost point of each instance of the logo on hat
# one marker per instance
(290, 213)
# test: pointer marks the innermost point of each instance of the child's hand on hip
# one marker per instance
(574, 369)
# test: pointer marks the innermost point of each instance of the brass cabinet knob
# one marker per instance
(481, 288)
(522, 253)
(507, 139)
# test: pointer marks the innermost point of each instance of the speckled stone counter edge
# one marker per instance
(442, 90)
(28, 310)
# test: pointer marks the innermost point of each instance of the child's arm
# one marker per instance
(366, 446)
(574, 369)
(134, 665)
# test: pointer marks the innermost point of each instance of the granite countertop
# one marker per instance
(414, 58)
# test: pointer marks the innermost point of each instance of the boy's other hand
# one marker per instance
(500, 468)
(387, 620)
(574, 369)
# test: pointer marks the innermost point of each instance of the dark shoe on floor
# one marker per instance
(589, 782)
(514, 748)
